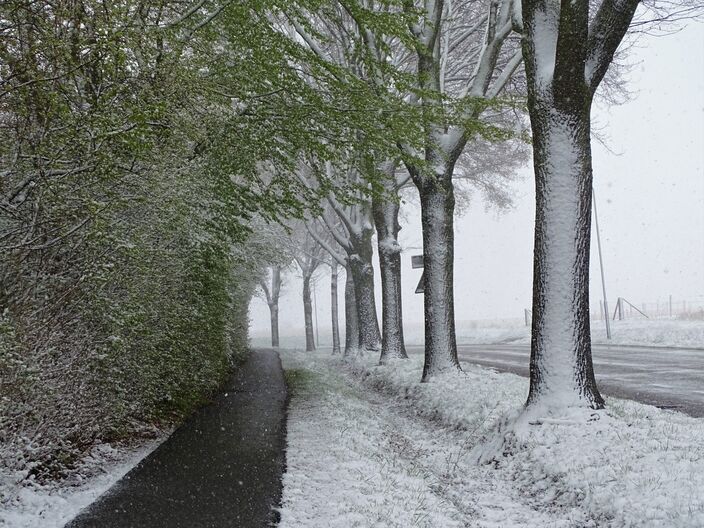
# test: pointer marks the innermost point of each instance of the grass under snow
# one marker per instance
(371, 446)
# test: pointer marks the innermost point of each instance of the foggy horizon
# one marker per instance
(649, 189)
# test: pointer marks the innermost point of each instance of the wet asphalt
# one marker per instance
(222, 468)
(667, 377)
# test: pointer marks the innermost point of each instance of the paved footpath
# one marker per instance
(222, 468)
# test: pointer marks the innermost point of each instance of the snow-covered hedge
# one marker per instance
(120, 329)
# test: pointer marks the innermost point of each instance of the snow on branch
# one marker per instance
(606, 32)
(336, 255)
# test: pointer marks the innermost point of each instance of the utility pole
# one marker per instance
(601, 265)
(315, 307)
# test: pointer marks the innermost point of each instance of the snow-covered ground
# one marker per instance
(370, 446)
(646, 332)
(27, 504)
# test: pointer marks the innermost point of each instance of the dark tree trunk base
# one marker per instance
(437, 210)
(387, 226)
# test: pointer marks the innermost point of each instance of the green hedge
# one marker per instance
(137, 320)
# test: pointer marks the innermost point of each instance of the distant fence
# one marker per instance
(663, 308)
(625, 309)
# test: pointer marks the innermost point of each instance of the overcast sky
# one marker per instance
(650, 196)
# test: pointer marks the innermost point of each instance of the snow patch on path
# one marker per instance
(28, 504)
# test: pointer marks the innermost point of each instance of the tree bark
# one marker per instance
(333, 309)
(274, 306)
(561, 371)
(561, 361)
(272, 300)
(437, 199)
(352, 335)
(274, 313)
(363, 279)
(387, 228)
(308, 314)
(437, 209)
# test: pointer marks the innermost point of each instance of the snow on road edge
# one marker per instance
(631, 466)
(369, 445)
(357, 459)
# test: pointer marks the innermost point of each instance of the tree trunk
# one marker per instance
(272, 300)
(437, 209)
(333, 309)
(561, 372)
(363, 279)
(387, 228)
(352, 334)
(308, 314)
(274, 312)
(561, 364)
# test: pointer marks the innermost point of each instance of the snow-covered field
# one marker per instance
(645, 332)
(25, 504)
(370, 446)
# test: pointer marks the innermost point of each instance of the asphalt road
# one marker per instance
(671, 378)
(222, 468)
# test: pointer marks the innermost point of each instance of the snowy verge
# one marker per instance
(631, 465)
(369, 445)
(28, 504)
(356, 459)
(341, 471)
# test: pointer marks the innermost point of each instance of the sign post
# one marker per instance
(417, 262)
(601, 265)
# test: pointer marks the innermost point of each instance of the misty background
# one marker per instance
(649, 185)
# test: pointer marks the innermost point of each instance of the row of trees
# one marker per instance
(142, 145)
(472, 76)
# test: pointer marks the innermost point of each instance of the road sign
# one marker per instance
(417, 262)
